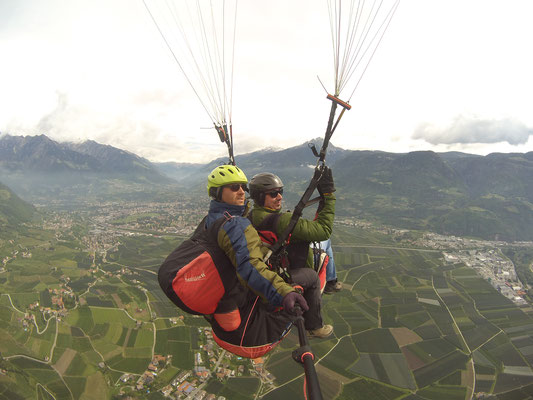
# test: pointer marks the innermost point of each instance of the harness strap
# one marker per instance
(297, 213)
(279, 263)
(268, 224)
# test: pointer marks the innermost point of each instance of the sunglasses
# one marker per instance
(234, 187)
(275, 193)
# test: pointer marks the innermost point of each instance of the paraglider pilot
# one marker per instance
(266, 190)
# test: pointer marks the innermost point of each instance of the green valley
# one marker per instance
(418, 317)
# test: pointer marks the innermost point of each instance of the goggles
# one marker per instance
(274, 193)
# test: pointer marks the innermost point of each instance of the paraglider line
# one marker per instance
(388, 21)
(176, 59)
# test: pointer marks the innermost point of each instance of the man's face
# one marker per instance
(273, 198)
(234, 194)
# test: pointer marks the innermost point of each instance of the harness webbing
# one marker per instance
(296, 214)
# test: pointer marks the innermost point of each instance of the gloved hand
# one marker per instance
(325, 184)
(291, 299)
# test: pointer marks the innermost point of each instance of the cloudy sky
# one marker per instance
(448, 75)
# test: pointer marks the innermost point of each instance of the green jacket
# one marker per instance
(305, 230)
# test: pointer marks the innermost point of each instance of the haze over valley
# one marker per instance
(433, 250)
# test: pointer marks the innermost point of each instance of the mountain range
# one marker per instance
(453, 193)
(40, 169)
(41, 154)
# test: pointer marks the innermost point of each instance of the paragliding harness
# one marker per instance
(291, 254)
(200, 279)
(267, 232)
(199, 265)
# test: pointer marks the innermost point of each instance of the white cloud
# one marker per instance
(468, 130)
(120, 86)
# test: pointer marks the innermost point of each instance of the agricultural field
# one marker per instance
(74, 321)
(412, 322)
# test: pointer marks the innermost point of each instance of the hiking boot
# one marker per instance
(332, 287)
(321, 333)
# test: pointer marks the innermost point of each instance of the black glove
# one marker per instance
(325, 183)
(291, 299)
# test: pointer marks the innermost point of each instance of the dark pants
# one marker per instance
(261, 324)
(308, 279)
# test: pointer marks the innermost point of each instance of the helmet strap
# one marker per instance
(219, 193)
(216, 193)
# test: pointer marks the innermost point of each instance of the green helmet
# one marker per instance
(224, 175)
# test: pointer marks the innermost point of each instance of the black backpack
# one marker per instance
(198, 277)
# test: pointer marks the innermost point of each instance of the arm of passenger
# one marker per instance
(312, 231)
(241, 243)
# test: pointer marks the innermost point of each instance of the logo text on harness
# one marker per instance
(195, 278)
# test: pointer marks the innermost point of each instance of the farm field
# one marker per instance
(413, 322)
(75, 322)
(72, 324)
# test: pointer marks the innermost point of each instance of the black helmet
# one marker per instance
(262, 183)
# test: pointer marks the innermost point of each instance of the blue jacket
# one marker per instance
(242, 245)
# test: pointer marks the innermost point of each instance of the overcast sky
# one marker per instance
(448, 75)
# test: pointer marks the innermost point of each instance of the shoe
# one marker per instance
(332, 287)
(321, 333)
